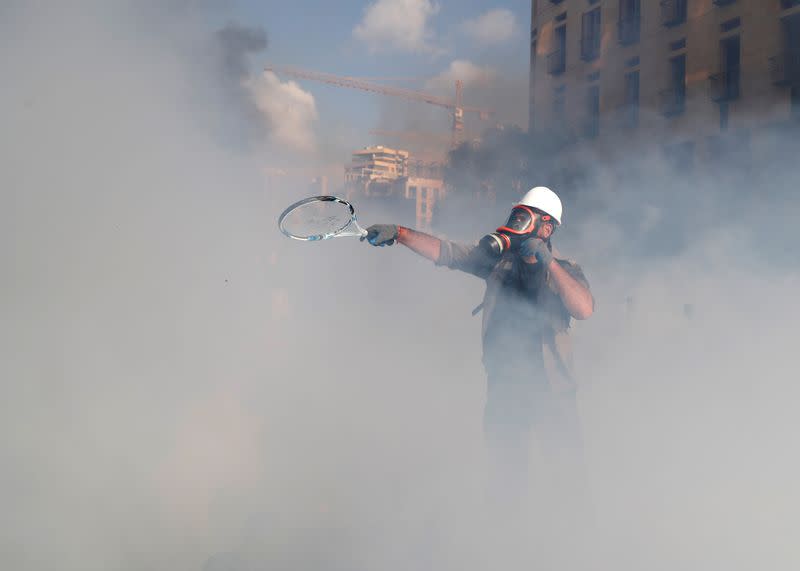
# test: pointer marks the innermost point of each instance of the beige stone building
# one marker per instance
(383, 172)
(693, 79)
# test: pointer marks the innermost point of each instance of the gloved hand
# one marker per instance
(381, 234)
(536, 247)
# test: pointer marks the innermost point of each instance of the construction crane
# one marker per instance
(456, 105)
(419, 136)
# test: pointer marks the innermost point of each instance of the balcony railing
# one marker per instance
(556, 61)
(724, 86)
(672, 101)
(785, 69)
(673, 12)
(628, 30)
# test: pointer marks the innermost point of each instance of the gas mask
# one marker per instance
(522, 224)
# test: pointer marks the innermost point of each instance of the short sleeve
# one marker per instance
(466, 258)
(575, 271)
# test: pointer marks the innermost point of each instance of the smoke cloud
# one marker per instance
(289, 110)
(468, 72)
(493, 27)
(397, 25)
(182, 387)
(238, 42)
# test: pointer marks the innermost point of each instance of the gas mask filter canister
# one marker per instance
(520, 225)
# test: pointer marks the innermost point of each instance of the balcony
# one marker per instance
(785, 69)
(628, 30)
(672, 101)
(724, 86)
(556, 61)
(673, 12)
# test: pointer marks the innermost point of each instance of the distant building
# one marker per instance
(700, 80)
(374, 171)
(382, 172)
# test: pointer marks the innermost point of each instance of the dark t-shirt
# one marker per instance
(522, 313)
(512, 337)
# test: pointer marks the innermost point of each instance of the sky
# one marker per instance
(435, 43)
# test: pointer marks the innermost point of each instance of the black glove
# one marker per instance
(536, 247)
(381, 234)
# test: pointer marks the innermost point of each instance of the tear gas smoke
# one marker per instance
(183, 387)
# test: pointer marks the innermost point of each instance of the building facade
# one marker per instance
(391, 174)
(698, 79)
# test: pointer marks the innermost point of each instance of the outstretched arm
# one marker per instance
(420, 242)
(387, 234)
(467, 258)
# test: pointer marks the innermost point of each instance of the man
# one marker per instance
(531, 297)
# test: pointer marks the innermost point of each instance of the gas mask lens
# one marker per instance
(507, 238)
(520, 221)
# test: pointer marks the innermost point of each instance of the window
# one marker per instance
(593, 111)
(791, 59)
(678, 75)
(629, 24)
(725, 84)
(677, 45)
(557, 59)
(673, 98)
(729, 25)
(531, 86)
(631, 109)
(785, 65)
(590, 35)
(673, 12)
(791, 33)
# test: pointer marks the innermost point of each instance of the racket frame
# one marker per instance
(343, 231)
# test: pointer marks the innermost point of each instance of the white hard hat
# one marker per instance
(544, 199)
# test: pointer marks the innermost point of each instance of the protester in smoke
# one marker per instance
(531, 297)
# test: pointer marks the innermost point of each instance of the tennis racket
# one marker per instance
(320, 218)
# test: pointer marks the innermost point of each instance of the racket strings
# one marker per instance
(316, 218)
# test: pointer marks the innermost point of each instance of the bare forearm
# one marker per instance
(576, 297)
(419, 242)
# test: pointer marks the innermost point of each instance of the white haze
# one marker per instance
(182, 387)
